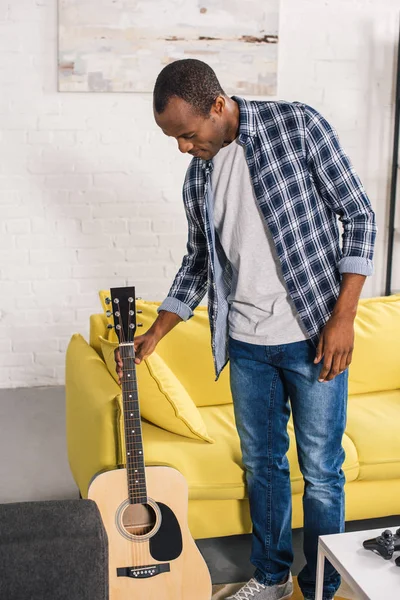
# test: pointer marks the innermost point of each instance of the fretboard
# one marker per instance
(133, 431)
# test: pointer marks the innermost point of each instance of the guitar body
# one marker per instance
(152, 555)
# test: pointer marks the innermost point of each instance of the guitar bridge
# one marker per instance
(143, 572)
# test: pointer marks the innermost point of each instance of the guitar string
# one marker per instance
(142, 464)
(143, 547)
(125, 352)
(132, 494)
(131, 460)
(140, 461)
(138, 458)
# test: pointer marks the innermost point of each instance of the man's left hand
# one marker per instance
(335, 346)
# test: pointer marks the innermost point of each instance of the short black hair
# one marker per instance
(192, 80)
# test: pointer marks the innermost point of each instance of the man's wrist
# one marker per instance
(156, 332)
(344, 312)
(164, 323)
(350, 290)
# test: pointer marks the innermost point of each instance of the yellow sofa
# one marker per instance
(188, 422)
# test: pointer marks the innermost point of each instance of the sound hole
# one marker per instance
(138, 519)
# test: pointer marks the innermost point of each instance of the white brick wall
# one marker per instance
(90, 188)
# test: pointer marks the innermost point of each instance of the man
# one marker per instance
(261, 197)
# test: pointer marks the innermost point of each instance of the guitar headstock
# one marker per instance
(123, 309)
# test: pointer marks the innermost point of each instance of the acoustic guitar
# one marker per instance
(152, 555)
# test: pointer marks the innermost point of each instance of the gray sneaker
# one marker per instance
(253, 589)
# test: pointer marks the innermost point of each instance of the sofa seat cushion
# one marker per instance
(373, 425)
(214, 471)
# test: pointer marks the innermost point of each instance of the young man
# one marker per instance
(261, 197)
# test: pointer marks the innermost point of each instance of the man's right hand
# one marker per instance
(144, 346)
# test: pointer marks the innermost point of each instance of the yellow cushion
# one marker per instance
(375, 365)
(107, 350)
(162, 398)
(215, 471)
(186, 349)
(97, 327)
(373, 425)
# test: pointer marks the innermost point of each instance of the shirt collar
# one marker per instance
(247, 118)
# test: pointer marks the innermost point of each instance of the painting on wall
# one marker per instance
(122, 45)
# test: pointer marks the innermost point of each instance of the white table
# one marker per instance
(370, 576)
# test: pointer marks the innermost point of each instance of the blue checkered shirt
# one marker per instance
(302, 179)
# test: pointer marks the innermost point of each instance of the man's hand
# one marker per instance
(335, 346)
(144, 346)
(337, 337)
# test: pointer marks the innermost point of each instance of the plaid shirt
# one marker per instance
(302, 179)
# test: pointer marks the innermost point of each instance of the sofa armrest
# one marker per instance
(91, 414)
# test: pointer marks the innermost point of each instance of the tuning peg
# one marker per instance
(139, 298)
(139, 312)
(109, 313)
(140, 324)
(109, 326)
(108, 300)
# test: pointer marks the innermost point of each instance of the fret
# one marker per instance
(135, 445)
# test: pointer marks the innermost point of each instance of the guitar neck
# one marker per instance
(133, 431)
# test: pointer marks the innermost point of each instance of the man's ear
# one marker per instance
(219, 105)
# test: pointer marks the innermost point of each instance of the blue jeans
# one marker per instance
(262, 379)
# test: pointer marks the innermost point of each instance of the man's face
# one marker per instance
(200, 136)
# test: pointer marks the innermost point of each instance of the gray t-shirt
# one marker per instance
(261, 310)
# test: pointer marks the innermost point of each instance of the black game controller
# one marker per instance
(385, 544)
(396, 539)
